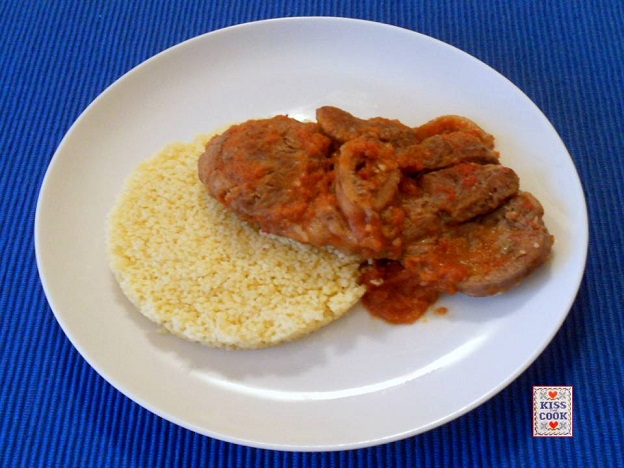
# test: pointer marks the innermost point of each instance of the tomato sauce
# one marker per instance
(393, 294)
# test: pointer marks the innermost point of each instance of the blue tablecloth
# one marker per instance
(56, 57)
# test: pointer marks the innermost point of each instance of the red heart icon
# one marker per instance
(553, 424)
(552, 394)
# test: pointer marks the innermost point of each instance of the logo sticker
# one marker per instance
(552, 411)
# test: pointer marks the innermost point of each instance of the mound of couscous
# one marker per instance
(192, 266)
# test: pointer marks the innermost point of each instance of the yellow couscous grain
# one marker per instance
(192, 266)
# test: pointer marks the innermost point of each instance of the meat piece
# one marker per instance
(453, 195)
(451, 124)
(276, 173)
(486, 256)
(514, 242)
(342, 126)
(267, 170)
(466, 190)
(444, 150)
(367, 183)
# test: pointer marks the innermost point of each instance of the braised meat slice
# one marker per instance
(446, 124)
(486, 256)
(466, 190)
(483, 257)
(516, 241)
(266, 170)
(452, 196)
(444, 150)
(277, 173)
(342, 126)
(367, 190)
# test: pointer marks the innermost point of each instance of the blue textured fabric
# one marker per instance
(56, 57)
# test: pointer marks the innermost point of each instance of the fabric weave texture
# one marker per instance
(56, 57)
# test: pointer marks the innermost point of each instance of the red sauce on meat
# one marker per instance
(400, 292)
(431, 208)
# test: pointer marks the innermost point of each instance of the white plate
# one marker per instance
(358, 382)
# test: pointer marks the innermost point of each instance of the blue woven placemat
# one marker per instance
(56, 57)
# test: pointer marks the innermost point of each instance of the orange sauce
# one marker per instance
(394, 295)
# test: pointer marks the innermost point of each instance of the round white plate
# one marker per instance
(358, 382)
